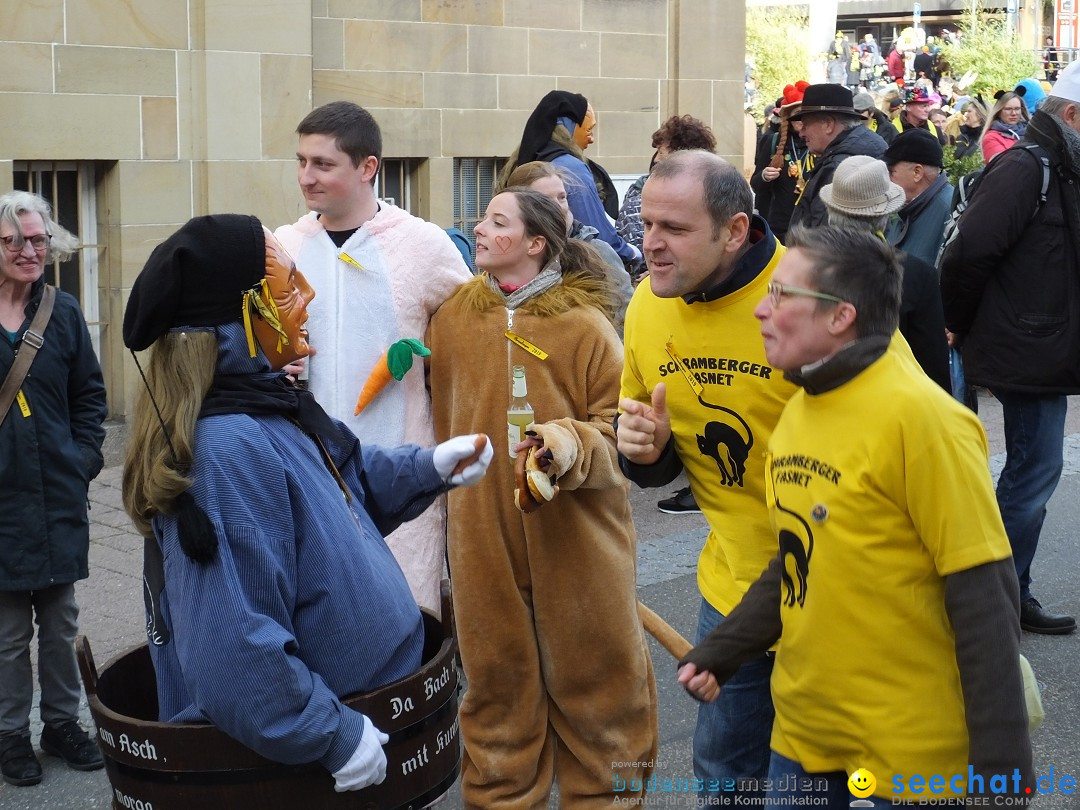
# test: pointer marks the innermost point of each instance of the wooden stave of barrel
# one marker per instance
(159, 766)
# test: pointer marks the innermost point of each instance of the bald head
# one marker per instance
(724, 189)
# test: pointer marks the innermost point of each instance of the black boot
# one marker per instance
(17, 761)
(1036, 619)
(68, 741)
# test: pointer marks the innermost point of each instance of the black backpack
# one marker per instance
(968, 184)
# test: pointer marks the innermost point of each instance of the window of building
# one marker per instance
(396, 182)
(474, 179)
(70, 188)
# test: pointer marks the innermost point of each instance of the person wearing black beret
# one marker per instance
(915, 164)
(832, 129)
(263, 519)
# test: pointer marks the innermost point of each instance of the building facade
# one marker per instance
(134, 115)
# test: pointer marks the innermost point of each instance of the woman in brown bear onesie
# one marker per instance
(560, 681)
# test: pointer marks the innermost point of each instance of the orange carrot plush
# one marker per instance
(393, 364)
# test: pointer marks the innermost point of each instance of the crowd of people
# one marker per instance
(297, 521)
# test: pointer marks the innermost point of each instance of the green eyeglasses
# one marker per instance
(777, 291)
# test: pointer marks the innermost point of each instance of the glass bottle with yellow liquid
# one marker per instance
(519, 416)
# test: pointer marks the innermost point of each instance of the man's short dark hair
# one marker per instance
(726, 191)
(857, 266)
(354, 130)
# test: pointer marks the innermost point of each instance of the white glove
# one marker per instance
(367, 765)
(453, 451)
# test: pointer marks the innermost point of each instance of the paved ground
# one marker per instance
(668, 545)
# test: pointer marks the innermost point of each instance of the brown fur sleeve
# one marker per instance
(584, 454)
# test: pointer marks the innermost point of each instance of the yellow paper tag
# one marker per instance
(690, 378)
(345, 257)
(523, 343)
(24, 406)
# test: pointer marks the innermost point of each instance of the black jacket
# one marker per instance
(968, 142)
(810, 210)
(924, 65)
(776, 200)
(882, 125)
(49, 457)
(921, 321)
(1010, 283)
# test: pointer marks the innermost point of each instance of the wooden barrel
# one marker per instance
(174, 766)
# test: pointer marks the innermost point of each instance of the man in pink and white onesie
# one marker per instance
(379, 274)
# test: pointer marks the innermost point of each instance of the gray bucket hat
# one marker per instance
(861, 188)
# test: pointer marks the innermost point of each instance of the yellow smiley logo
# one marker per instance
(861, 783)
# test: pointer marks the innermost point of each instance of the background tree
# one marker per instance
(776, 52)
(957, 168)
(988, 47)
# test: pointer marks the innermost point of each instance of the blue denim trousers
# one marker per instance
(731, 740)
(788, 779)
(1034, 442)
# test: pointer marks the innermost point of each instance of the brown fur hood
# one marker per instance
(576, 290)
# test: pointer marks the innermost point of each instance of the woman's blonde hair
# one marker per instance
(995, 112)
(979, 108)
(178, 376)
(528, 173)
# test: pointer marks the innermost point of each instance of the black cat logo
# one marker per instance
(792, 545)
(726, 446)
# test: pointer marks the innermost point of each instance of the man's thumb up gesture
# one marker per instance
(644, 430)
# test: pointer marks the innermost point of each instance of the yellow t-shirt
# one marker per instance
(878, 490)
(722, 447)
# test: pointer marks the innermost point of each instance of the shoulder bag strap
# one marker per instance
(33, 339)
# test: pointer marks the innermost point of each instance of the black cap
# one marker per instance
(916, 146)
(196, 277)
(834, 99)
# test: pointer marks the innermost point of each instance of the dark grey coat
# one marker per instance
(49, 457)
(810, 210)
(1010, 282)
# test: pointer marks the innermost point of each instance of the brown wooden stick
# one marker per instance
(668, 636)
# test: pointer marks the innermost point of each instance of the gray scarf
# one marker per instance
(1071, 139)
(545, 280)
(840, 367)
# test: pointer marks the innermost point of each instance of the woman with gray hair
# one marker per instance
(862, 197)
(50, 450)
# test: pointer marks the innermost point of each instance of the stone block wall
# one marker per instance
(186, 108)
